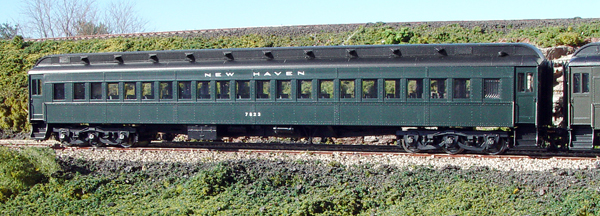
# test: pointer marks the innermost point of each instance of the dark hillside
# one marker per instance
(18, 55)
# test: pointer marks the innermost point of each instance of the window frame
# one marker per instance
(444, 94)
(218, 89)
(135, 91)
(82, 93)
(63, 96)
(585, 83)
(209, 89)
(36, 87)
(181, 92)
(259, 89)
(521, 82)
(374, 89)
(152, 91)
(397, 89)
(170, 88)
(468, 89)
(108, 89)
(331, 96)
(580, 83)
(352, 92)
(96, 90)
(279, 93)
(300, 89)
(419, 94)
(498, 89)
(248, 88)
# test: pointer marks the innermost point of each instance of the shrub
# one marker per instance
(18, 172)
(211, 182)
(570, 38)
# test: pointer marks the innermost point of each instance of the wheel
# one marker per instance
(409, 144)
(498, 147)
(451, 145)
(127, 141)
(93, 140)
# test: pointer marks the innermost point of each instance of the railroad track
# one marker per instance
(299, 148)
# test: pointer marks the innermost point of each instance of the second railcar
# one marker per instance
(583, 97)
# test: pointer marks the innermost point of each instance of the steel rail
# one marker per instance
(299, 148)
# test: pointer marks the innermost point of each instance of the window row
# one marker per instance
(282, 89)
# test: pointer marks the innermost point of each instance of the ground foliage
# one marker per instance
(267, 187)
(18, 56)
(21, 169)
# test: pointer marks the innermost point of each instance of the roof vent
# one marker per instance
(153, 58)
(502, 54)
(309, 54)
(85, 60)
(396, 52)
(352, 53)
(268, 55)
(441, 51)
(118, 59)
(228, 56)
(190, 57)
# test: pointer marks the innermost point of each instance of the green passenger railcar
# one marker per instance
(583, 97)
(430, 96)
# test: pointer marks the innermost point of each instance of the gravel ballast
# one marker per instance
(348, 159)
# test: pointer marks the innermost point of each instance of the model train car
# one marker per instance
(583, 97)
(479, 97)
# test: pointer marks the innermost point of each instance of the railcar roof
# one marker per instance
(588, 55)
(497, 54)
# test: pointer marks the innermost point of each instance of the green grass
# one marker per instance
(263, 187)
(23, 168)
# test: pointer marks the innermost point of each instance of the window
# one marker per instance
(78, 91)
(462, 88)
(165, 90)
(36, 87)
(130, 91)
(576, 83)
(222, 89)
(521, 82)
(148, 90)
(284, 89)
(203, 90)
(529, 84)
(184, 88)
(581, 82)
(525, 82)
(263, 89)
(304, 89)
(59, 91)
(438, 88)
(347, 88)
(585, 82)
(242, 89)
(415, 88)
(491, 88)
(392, 88)
(325, 88)
(369, 89)
(96, 91)
(112, 91)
